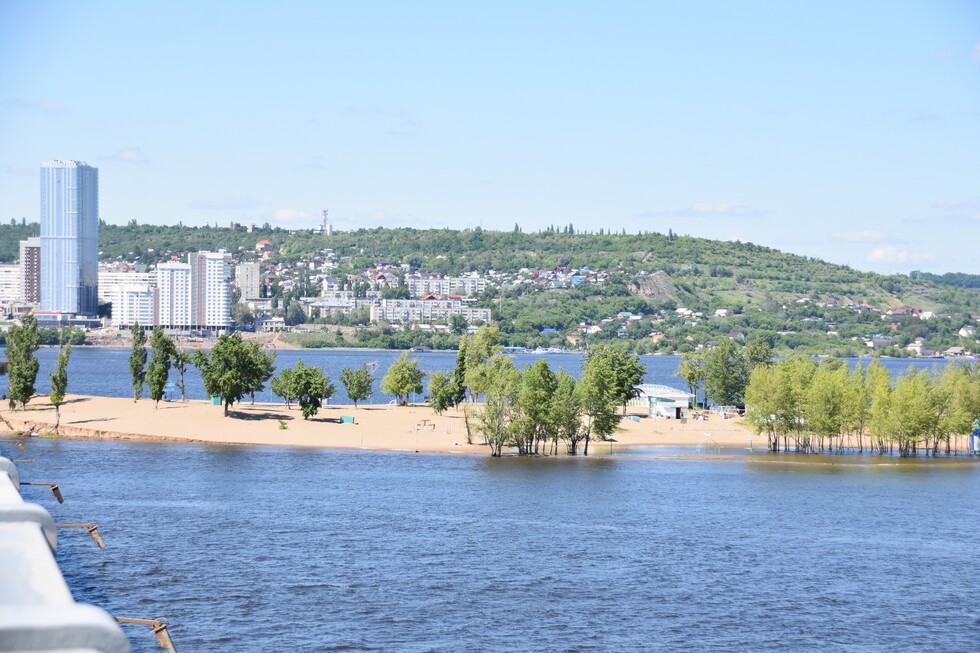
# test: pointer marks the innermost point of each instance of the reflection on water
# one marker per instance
(309, 550)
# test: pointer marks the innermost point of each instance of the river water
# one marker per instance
(277, 549)
(105, 372)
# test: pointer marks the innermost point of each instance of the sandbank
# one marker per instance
(376, 427)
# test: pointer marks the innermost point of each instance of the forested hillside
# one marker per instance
(803, 301)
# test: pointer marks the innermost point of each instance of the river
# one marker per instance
(276, 549)
(105, 372)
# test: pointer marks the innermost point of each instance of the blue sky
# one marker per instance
(840, 130)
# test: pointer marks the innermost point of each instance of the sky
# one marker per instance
(847, 131)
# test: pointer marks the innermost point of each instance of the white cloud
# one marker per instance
(226, 203)
(127, 155)
(865, 236)
(706, 209)
(892, 254)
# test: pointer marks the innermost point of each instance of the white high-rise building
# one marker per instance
(69, 237)
(174, 295)
(131, 304)
(196, 294)
(210, 289)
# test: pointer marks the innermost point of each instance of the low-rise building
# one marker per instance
(426, 310)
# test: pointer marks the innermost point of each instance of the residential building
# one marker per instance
(248, 280)
(210, 289)
(112, 280)
(174, 295)
(69, 238)
(10, 283)
(30, 270)
(136, 303)
(425, 283)
(426, 310)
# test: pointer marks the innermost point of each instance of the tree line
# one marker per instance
(825, 406)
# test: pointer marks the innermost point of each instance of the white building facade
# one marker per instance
(173, 295)
(426, 311)
(131, 304)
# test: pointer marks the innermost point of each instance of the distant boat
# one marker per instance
(420, 349)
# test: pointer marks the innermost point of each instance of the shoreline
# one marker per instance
(375, 427)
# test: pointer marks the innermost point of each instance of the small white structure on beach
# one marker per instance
(663, 400)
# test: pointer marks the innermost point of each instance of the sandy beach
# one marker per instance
(377, 427)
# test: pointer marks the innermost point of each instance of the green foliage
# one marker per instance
(566, 412)
(310, 387)
(598, 396)
(691, 370)
(181, 359)
(22, 343)
(59, 382)
(726, 373)
(234, 369)
(284, 385)
(162, 353)
(479, 350)
(295, 313)
(137, 360)
(403, 378)
(826, 403)
(441, 391)
(358, 383)
(535, 422)
(496, 418)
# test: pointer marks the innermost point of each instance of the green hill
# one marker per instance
(793, 300)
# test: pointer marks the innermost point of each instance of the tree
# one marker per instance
(458, 324)
(403, 378)
(233, 369)
(295, 313)
(441, 391)
(137, 360)
(284, 385)
(162, 352)
(262, 367)
(500, 394)
(358, 383)
(598, 396)
(759, 352)
(691, 370)
(59, 382)
(22, 342)
(535, 422)
(459, 374)
(566, 412)
(180, 362)
(726, 373)
(310, 387)
(479, 349)
(629, 374)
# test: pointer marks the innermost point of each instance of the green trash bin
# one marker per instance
(215, 400)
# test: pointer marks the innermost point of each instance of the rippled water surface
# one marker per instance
(273, 549)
